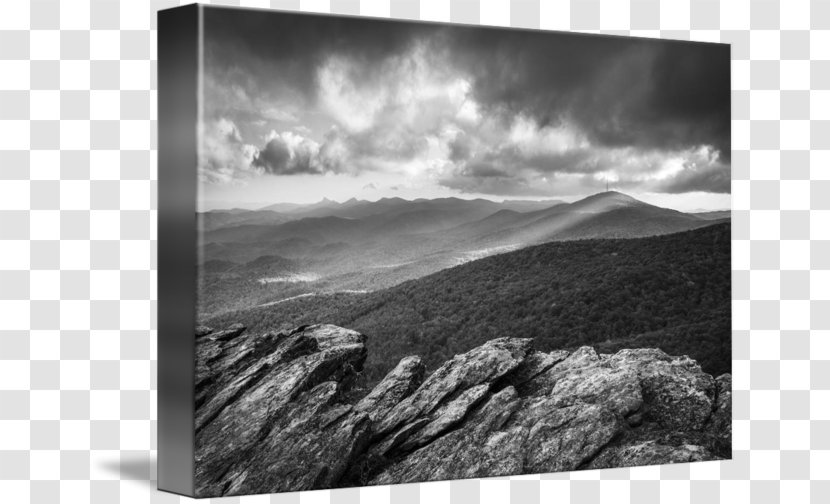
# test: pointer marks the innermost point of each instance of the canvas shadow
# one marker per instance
(133, 466)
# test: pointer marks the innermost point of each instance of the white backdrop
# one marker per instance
(78, 251)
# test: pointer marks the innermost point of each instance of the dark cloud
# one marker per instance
(633, 103)
(716, 179)
(483, 169)
(585, 170)
(288, 154)
(289, 47)
(460, 149)
(274, 158)
(620, 91)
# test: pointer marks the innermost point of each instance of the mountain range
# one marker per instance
(605, 215)
(360, 245)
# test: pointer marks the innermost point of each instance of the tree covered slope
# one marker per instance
(672, 292)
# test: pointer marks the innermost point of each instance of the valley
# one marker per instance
(252, 258)
(670, 292)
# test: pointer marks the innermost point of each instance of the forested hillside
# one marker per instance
(671, 292)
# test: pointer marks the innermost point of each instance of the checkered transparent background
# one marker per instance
(78, 251)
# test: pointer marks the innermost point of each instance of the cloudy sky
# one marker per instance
(300, 107)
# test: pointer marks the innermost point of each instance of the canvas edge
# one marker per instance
(451, 23)
(178, 97)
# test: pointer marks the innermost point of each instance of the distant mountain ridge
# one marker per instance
(604, 215)
(325, 203)
(367, 246)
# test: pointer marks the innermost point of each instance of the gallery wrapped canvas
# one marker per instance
(396, 251)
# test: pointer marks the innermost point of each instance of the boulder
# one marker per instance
(678, 394)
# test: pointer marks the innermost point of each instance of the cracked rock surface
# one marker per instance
(279, 412)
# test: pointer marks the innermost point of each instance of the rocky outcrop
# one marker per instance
(269, 419)
(397, 385)
(280, 412)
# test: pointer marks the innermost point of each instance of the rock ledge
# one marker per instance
(277, 412)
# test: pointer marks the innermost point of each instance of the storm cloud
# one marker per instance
(288, 153)
(473, 109)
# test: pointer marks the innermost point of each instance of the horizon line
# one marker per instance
(565, 200)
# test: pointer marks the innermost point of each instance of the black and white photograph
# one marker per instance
(434, 251)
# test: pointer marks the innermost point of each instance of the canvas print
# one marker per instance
(432, 251)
